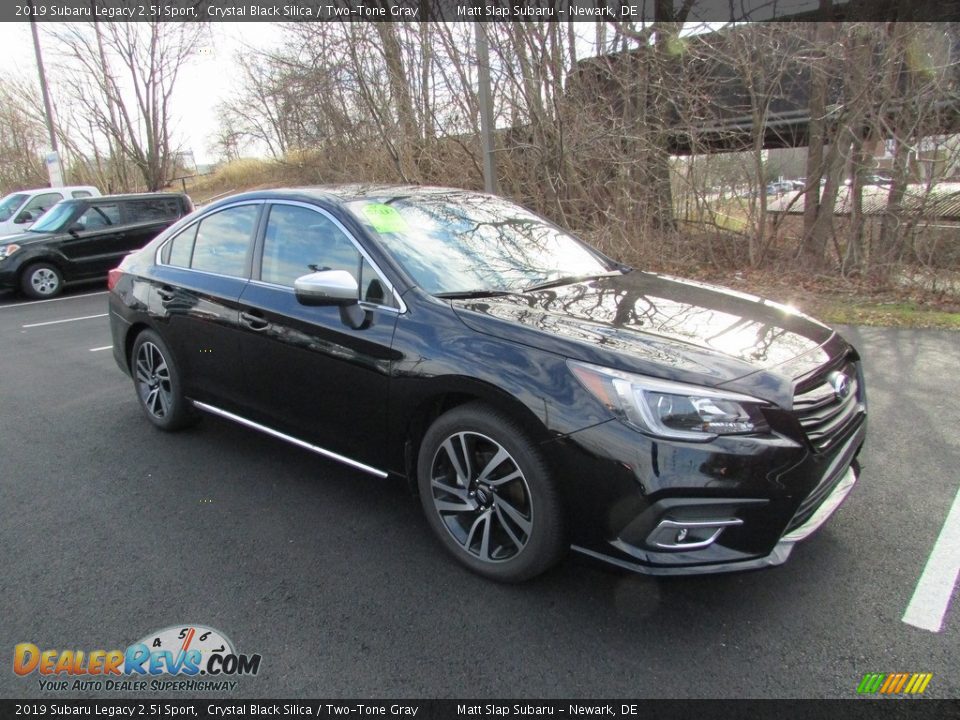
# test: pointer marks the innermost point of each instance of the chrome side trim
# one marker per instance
(826, 509)
(282, 436)
(177, 231)
(363, 252)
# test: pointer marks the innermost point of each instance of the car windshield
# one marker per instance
(55, 218)
(9, 205)
(457, 243)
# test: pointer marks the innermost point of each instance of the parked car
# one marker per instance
(83, 239)
(537, 394)
(19, 210)
(785, 186)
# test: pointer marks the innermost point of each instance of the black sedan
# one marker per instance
(536, 394)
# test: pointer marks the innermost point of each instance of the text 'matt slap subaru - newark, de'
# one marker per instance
(538, 395)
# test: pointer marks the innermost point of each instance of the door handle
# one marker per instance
(253, 320)
(166, 294)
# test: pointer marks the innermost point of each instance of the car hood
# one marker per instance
(664, 327)
(25, 238)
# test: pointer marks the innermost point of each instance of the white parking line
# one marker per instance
(37, 302)
(932, 597)
(57, 322)
(105, 347)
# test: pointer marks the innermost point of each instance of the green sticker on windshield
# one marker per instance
(384, 218)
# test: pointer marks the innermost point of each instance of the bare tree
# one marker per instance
(22, 140)
(121, 77)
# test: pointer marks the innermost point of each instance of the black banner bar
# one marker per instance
(472, 10)
(856, 709)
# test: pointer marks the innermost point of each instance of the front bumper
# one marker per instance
(673, 508)
(8, 274)
(781, 551)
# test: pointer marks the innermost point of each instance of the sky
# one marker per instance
(208, 79)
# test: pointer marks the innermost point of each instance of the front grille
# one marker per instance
(823, 413)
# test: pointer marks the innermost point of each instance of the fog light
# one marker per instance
(689, 534)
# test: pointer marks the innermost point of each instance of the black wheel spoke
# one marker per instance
(522, 522)
(518, 543)
(495, 462)
(463, 473)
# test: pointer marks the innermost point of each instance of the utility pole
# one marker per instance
(486, 109)
(43, 79)
(52, 160)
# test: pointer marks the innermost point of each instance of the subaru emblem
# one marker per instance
(840, 384)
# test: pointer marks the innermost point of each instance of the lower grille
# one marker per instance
(829, 408)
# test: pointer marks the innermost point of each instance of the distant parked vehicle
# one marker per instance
(19, 210)
(784, 186)
(83, 239)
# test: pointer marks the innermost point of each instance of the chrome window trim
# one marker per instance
(197, 221)
(356, 244)
(213, 410)
(376, 268)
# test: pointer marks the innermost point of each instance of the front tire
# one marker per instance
(488, 496)
(41, 280)
(156, 380)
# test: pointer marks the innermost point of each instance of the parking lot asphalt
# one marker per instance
(111, 529)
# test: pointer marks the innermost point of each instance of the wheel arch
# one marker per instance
(133, 332)
(450, 392)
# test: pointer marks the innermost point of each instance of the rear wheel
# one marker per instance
(41, 280)
(488, 495)
(157, 382)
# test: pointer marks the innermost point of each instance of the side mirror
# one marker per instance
(327, 287)
(24, 217)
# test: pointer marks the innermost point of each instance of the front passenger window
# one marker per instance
(300, 241)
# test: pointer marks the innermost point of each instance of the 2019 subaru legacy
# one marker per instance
(537, 394)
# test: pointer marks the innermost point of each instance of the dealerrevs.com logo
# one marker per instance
(183, 657)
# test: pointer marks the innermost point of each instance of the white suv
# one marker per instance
(19, 210)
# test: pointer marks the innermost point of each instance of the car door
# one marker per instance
(308, 372)
(89, 244)
(194, 299)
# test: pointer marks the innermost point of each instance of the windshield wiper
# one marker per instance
(469, 294)
(570, 279)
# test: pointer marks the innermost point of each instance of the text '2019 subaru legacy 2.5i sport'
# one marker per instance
(537, 394)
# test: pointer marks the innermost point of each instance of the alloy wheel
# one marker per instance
(481, 496)
(153, 380)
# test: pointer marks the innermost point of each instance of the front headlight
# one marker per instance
(8, 250)
(670, 409)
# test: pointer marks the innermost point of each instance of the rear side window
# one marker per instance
(80, 194)
(99, 216)
(223, 239)
(179, 250)
(153, 210)
(299, 241)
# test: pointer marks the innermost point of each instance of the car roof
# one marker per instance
(131, 196)
(350, 192)
(62, 188)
